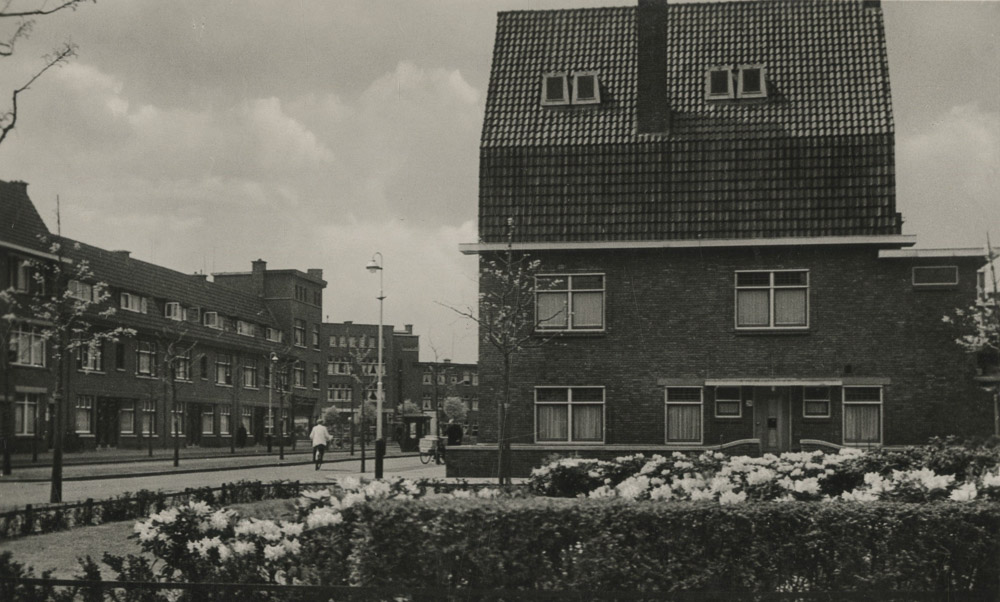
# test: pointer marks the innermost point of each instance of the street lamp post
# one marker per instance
(270, 396)
(376, 266)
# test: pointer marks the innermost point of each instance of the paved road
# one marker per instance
(17, 494)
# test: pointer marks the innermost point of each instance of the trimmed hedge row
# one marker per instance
(588, 545)
(49, 518)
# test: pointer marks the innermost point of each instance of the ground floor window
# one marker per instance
(816, 402)
(683, 414)
(728, 403)
(177, 420)
(862, 416)
(126, 417)
(225, 413)
(148, 417)
(208, 420)
(247, 419)
(25, 412)
(569, 414)
(84, 414)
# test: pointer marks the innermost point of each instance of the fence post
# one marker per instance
(88, 513)
(29, 518)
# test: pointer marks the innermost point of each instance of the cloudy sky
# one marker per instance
(201, 135)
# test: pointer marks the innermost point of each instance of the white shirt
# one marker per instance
(319, 435)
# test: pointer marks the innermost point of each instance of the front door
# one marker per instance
(194, 424)
(107, 427)
(772, 419)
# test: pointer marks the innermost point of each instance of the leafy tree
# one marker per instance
(408, 408)
(980, 323)
(506, 319)
(23, 23)
(455, 409)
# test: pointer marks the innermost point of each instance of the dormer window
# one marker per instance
(244, 328)
(212, 320)
(273, 335)
(555, 89)
(130, 302)
(719, 83)
(173, 311)
(585, 88)
(751, 82)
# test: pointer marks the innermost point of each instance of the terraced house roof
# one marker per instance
(812, 157)
(20, 225)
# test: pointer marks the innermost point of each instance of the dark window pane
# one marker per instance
(720, 82)
(817, 393)
(547, 394)
(935, 275)
(727, 393)
(554, 88)
(753, 279)
(588, 394)
(751, 81)
(862, 394)
(684, 394)
(585, 87)
(588, 282)
(789, 279)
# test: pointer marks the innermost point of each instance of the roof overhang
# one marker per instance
(892, 240)
(27, 251)
(834, 381)
(931, 253)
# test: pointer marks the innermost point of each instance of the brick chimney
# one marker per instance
(257, 276)
(315, 273)
(652, 102)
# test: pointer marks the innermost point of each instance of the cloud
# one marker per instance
(948, 175)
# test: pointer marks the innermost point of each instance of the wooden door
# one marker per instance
(772, 420)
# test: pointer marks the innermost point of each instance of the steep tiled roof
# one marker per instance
(126, 273)
(815, 158)
(826, 65)
(20, 224)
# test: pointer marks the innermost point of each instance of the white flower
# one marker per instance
(632, 487)
(991, 480)
(759, 476)
(350, 483)
(964, 493)
(663, 492)
(698, 495)
(858, 495)
(220, 519)
(323, 517)
(274, 552)
(242, 548)
(728, 497)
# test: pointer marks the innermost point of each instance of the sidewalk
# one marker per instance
(80, 466)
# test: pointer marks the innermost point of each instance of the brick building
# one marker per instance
(441, 380)
(710, 191)
(237, 350)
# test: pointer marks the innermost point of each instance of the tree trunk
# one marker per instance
(61, 398)
(503, 435)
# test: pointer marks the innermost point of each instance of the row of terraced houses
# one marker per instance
(710, 191)
(249, 353)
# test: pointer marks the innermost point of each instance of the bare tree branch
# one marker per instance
(5, 12)
(9, 119)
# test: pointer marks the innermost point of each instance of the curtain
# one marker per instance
(588, 422)
(588, 310)
(683, 423)
(553, 422)
(752, 308)
(861, 424)
(126, 417)
(552, 310)
(790, 307)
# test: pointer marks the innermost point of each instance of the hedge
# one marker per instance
(589, 545)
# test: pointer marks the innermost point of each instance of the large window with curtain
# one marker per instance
(683, 414)
(84, 414)
(862, 416)
(570, 414)
(569, 302)
(25, 412)
(772, 299)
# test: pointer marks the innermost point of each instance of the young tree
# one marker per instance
(364, 372)
(67, 307)
(981, 324)
(507, 320)
(21, 23)
(174, 347)
(455, 409)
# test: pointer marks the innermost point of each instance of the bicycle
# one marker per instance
(432, 448)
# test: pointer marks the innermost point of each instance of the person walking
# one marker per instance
(320, 437)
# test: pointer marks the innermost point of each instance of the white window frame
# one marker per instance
(127, 406)
(210, 412)
(225, 419)
(33, 343)
(596, 99)
(315, 376)
(148, 350)
(742, 69)
(177, 420)
(881, 415)
(428, 379)
(90, 358)
(475, 379)
(913, 276)
(570, 292)
(475, 405)
(134, 303)
(338, 393)
(84, 408)
(565, 100)
(28, 402)
(223, 369)
(244, 328)
(273, 334)
(315, 336)
(770, 287)
(182, 366)
(211, 319)
(806, 400)
(299, 332)
(426, 402)
(249, 376)
(173, 311)
(738, 400)
(730, 89)
(246, 419)
(569, 403)
(667, 402)
(299, 374)
(148, 410)
(80, 290)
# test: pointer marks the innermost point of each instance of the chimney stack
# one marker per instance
(257, 276)
(652, 103)
(315, 273)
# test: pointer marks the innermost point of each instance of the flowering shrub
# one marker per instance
(801, 476)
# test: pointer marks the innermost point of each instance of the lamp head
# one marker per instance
(274, 357)
(373, 266)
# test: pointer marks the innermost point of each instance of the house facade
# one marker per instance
(444, 379)
(709, 189)
(216, 363)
